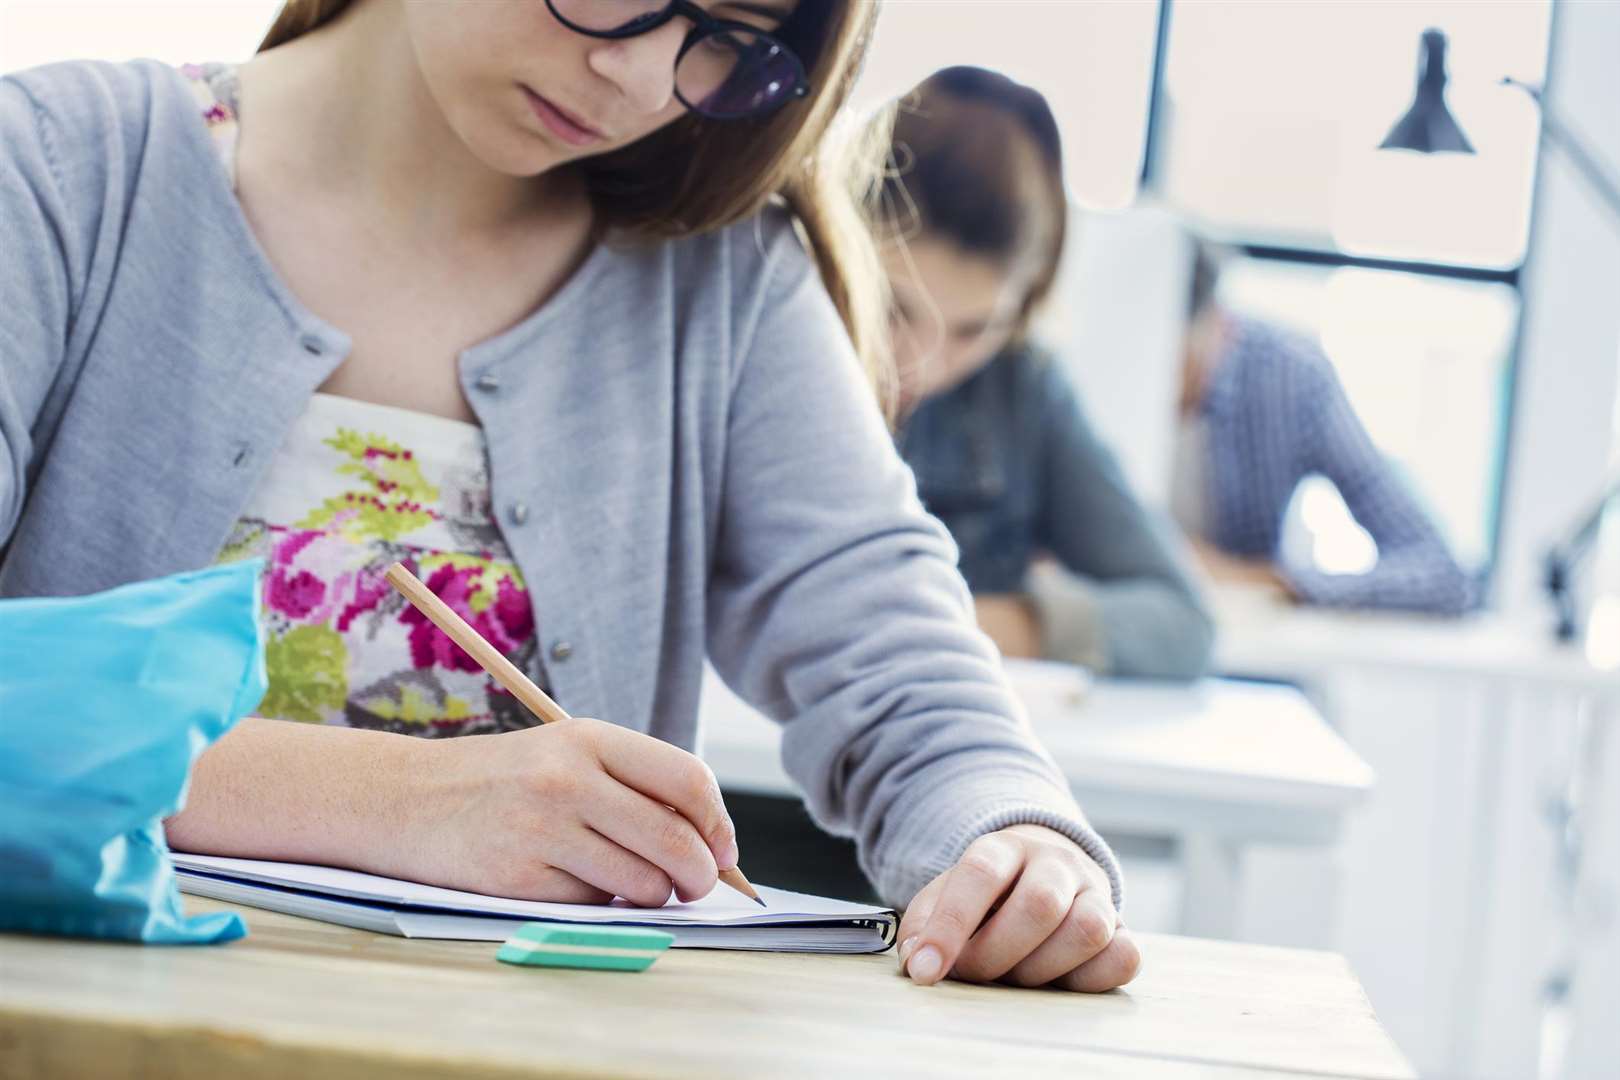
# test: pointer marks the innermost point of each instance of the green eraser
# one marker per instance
(601, 948)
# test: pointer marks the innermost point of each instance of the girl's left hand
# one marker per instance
(1009, 620)
(1025, 906)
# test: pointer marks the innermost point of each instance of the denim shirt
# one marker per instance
(1277, 414)
(1007, 461)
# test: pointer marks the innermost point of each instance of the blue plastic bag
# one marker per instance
(105, 703)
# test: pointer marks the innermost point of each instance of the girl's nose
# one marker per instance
(643, 67)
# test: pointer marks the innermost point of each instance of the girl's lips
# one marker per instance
(561, 124)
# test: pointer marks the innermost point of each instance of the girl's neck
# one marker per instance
(344, 112)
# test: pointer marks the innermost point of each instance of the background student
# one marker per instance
(1261, 409)
(512, 292)
(1063, 560)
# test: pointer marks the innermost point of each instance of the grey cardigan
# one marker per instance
(682, 449)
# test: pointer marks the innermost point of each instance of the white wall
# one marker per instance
(34, 32)
(1116, 321)
(1564, 428)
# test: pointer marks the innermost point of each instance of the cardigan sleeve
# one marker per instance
(836, 609)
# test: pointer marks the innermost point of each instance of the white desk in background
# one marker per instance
(1268, 639)
(1216, 765)
(1457, 881)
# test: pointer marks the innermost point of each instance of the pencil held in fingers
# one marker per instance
(508, 675)
(734, 878)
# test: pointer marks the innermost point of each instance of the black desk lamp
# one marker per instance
(1427, 128)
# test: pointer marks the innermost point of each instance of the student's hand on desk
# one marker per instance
(577, 811)
(1010, 621)
(1024, 906)
(1234, 570)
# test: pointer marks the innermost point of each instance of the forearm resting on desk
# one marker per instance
(577, 810)
(274, 789)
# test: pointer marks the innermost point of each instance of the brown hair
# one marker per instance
(976, 159)
(695, 175)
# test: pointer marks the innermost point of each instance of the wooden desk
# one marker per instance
(308, 999)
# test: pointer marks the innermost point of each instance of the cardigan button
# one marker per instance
(519, 513)
(561, 651)
(488, 382)
(312, 345)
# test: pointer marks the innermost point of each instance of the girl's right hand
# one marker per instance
(577, 811)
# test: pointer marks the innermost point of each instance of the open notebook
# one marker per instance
(791, 922)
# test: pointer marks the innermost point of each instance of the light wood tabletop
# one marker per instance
(310, 999)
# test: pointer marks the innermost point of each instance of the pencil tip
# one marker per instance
(759, 901)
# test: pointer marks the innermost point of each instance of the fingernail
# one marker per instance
(924, 967)
(729, 856)
(905, 949)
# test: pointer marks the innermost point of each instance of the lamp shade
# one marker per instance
(1428, 126)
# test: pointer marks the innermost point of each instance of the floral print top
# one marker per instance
(355, 487)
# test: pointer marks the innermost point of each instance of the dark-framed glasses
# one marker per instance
(725, 70)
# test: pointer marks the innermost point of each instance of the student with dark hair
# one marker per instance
(1260, 411)
(1064, 562)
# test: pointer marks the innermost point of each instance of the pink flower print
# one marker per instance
(505, 624)
(369, 591)
(430, 646)
(294, 542)
(512, 608)
(294, 596)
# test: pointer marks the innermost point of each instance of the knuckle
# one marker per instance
(723, 833)
(980, 864)
(1046, 905)
(647, 886)
(676, 839)
(948, 923)
(1092, 930)
(693, 781)
(584, 733)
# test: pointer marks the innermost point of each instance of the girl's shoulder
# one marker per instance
(759, 252)
(85, 117)
(729, 279)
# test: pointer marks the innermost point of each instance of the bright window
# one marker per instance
(1273, 113)
(1093, 61)
(1402, 266)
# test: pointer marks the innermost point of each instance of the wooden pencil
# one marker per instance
(506, 673)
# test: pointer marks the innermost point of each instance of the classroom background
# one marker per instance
(1442, 803)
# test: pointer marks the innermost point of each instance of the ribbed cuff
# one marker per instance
(927, 836)
(1071, 618)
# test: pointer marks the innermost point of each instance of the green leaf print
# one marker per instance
(307, 668)
(394, 499)
(243, 543)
